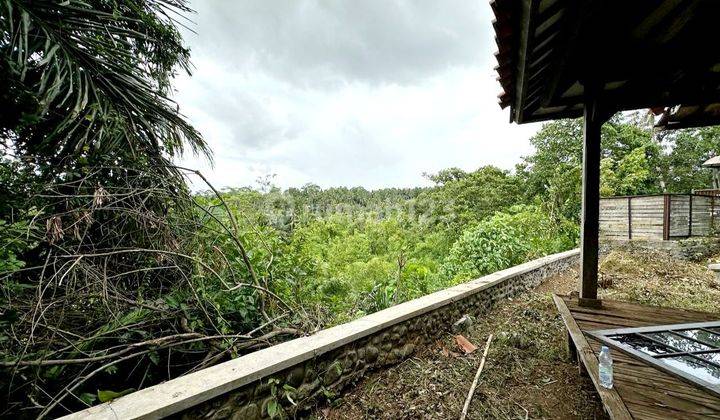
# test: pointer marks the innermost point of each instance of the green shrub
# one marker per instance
(504, 240)
(491, 245)
(15, 239)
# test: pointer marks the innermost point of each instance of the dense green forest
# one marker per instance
(340, 253)
(114, 276)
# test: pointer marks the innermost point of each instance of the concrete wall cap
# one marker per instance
(195, 388)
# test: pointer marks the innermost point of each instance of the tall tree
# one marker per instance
(553, 172)
(91, 79)
(688, 150)
(465, 198)
(90, 201)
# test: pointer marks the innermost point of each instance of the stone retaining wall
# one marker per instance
(691, 249)
(293, 376)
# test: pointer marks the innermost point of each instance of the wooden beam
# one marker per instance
(529, 8)
(614, 405)
(656, 17)
(573, 21)
(589, 221)
(650, 94)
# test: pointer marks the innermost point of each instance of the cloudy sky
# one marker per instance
(345, 92)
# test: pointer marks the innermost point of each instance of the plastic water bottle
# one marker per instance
(606, 370)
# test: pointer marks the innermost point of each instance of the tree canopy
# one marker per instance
(89, 81)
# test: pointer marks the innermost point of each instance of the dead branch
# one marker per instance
(120, 264)
(475, 381)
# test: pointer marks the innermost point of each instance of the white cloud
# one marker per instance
(408, 88)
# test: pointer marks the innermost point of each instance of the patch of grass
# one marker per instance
(656, 278)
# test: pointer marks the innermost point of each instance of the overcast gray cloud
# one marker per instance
(314, 43)
(368, 93)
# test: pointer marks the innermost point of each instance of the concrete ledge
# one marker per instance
(196, 388)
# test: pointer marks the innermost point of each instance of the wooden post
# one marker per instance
(589, 223)
(667, 202)
(571, 350)
(712, 215)
(629, 217)
(690, 218)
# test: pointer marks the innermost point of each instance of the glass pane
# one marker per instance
(715, 329)
(641, 344)
(678, 342)
(703, 336)
(695, 368)
(712, 357)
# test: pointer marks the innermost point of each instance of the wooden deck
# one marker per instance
(640, 391)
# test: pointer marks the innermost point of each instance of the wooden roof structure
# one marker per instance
(592, 58)
(658, 54)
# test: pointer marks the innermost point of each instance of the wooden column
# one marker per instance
(690, 218)
(667, 202)
(589, 224)
(629, 217)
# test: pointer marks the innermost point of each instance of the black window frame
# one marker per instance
(713, 327)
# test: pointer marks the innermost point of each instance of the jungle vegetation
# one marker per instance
(114, 276)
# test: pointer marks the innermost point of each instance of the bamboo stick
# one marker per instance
(477, 378)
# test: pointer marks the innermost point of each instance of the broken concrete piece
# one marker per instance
(462, 324)
(715, 268)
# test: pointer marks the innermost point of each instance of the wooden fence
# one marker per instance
(657, 217)
(708, 192)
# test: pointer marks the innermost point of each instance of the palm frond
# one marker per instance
(101, 72)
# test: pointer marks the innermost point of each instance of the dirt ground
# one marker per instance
(527, 374)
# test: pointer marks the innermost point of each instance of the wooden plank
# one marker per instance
(646, 394)
(654, 210)
(631, 310)
(666, 393)
(614, 405)
(646, 217)
(701, 216)
(613, 319)
(679, 219)
(649, 237)
(637, 373)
